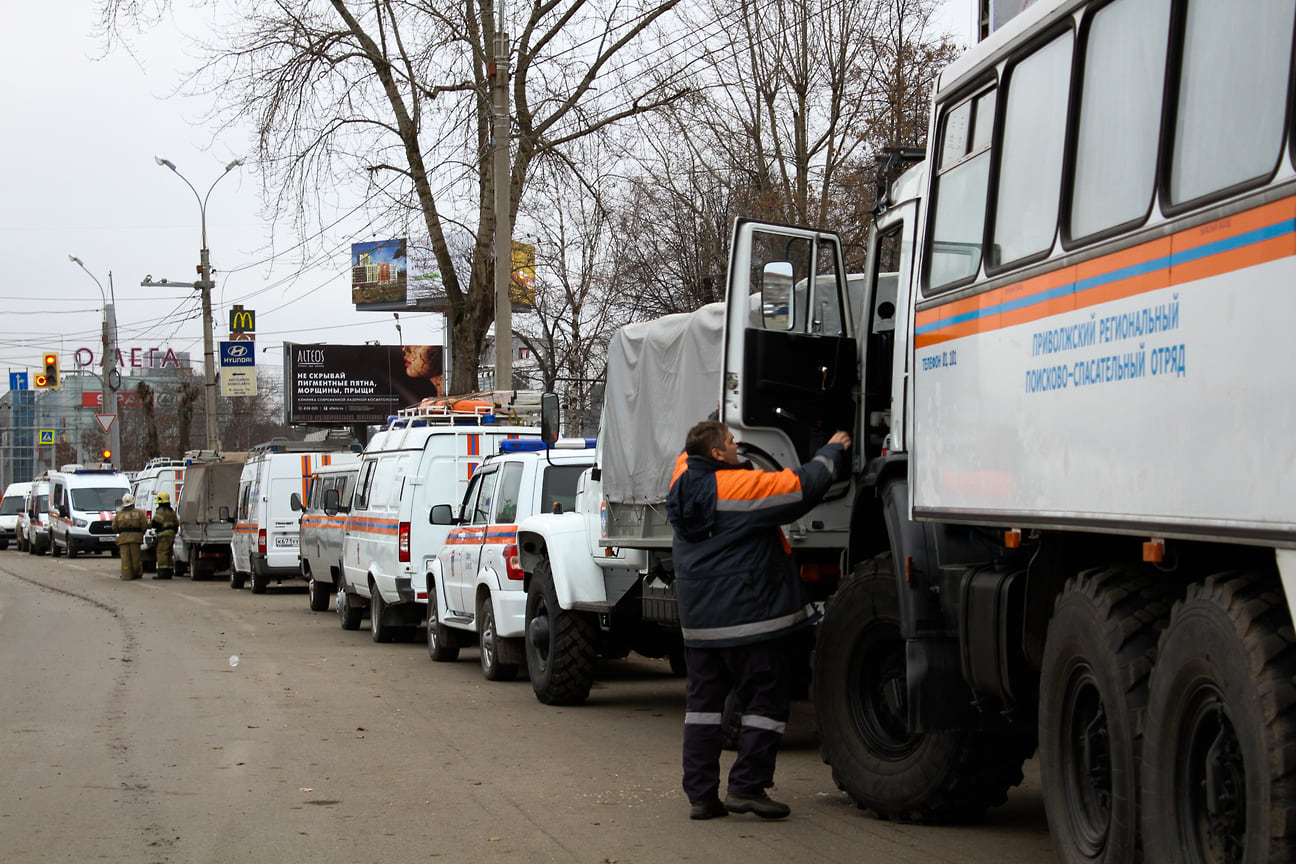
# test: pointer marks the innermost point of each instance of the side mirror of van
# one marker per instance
(441, 514)
(223, 514)
(332, 501)
(295, 502)
(549, 418)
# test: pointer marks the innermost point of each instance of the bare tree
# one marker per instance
(151, 445)
(671, 243)
(188, 398)
(822, 86)
(580, 301)
(255, 419)
(401, 89)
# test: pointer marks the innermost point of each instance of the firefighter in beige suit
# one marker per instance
(129, 525)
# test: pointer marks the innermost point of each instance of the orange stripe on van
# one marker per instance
(1257, 236)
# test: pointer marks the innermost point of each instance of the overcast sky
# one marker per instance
(79, 178)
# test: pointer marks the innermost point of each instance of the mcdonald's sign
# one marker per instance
(242, 320)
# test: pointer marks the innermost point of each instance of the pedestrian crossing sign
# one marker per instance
(46, 436)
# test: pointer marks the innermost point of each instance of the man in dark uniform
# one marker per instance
(740, 595)
(129, 523)
(165, 523)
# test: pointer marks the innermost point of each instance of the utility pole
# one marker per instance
(111, 377)
(204, 286)
(109, 381)
(503, 222)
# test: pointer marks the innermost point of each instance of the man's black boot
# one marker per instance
(707, 808)
(759, 803)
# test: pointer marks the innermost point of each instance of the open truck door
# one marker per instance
(791, 374)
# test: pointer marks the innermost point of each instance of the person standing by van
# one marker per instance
(165, 523)
(740, 596)
(129, 525)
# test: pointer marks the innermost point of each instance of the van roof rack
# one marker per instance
(511, 407)
(161, 462)
(283, 445)
(92, 468)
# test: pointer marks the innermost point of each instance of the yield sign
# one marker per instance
(105, 421)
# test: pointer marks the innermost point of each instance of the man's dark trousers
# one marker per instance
(759, 672)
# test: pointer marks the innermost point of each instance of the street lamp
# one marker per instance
(109, 406)
(205, 284)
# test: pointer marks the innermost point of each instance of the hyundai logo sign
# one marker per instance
(238, 353)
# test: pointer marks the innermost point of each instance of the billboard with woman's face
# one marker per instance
(350, 384)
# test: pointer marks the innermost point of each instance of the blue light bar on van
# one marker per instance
(521, 445)
(575, 443)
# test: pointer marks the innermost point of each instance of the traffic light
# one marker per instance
(48, 377)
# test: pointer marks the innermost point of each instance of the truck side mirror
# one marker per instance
(223, 514)
(776, 296)
(441, 515)
(295, 502)
(549, 418)
(332, 501)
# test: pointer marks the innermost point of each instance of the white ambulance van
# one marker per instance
(423, 458)
(266, 529)
(33, 522)
(82, 502)
(10, 511)
(323, 525)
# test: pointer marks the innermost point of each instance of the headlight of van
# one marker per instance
(80, 523)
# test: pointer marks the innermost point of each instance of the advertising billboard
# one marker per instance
(378, 271)
(422, 286)
(349, 384)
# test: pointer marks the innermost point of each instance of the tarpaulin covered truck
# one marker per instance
(202, 541)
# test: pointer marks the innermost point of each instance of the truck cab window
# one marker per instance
(795, 286)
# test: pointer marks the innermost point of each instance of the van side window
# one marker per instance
(1120, 115)
(510, 485)
(364, 485)
(346, 488)
(959, 205)
(1030, 167)
(245, 494)
(559, 494)
(1229, 127)
(477, 503)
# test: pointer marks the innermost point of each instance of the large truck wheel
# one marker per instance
(1093, 688)
(349, 614)
(1220, 750)
(260, 582)
(859, 696)
(560, 644)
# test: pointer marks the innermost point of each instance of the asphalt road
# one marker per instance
(127, 734)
